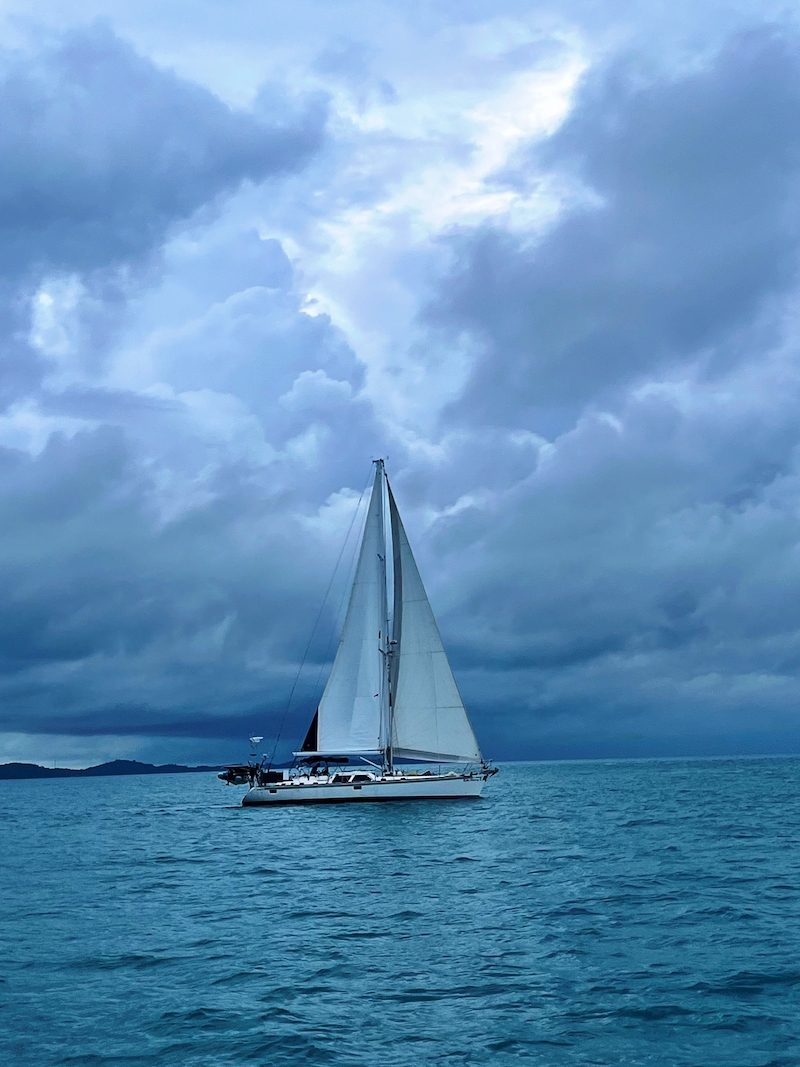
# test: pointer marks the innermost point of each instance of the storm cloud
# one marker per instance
(102, 151)
(641, 581)
(688, 230)
(557, 286)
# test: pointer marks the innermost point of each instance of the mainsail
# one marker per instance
(351, 712)
(396, 697)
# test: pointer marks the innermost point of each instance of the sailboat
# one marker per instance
(391, 706)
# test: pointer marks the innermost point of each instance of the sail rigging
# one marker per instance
(391, 694)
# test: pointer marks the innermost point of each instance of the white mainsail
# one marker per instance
(351, 714)
(429, 720)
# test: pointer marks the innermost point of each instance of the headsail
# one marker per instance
(351, 714)
(429, 721)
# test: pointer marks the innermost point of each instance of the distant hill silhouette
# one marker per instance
(117, 766)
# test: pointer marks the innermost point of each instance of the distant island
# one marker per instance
(117, 766)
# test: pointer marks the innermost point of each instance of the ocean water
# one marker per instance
(614, 912)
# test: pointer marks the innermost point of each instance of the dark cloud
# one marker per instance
(643, 582)
(111, 622)
(162, 549)
(627, 582)
(607, 520)
(101, 152)
(691, 229)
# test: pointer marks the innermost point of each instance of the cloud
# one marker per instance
(642, 582)
(581, 359)
(165, 443)
(616, 559)
(687, 230)
(102, 151)
(102, 154)
(114, 622)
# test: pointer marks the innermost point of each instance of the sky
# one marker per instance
(542, 257)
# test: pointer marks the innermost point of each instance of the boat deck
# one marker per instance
(341, 788)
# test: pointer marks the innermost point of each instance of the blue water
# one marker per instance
(582, 913)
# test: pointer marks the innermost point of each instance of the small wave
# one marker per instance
(746, 983)
(521, 1045)
(115, 963)
(325, 915)
(653, 1012)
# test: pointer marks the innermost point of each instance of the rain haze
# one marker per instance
(541, 257)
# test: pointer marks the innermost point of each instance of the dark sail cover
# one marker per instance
(310, 743)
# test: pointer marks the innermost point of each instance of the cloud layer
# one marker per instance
(557, 286)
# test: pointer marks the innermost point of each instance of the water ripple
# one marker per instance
(637, 913)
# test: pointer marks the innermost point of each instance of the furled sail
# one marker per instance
(351, 712)
(429, 721)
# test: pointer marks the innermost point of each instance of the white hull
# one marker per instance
(411, 788)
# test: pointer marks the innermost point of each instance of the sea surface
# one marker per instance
(612, 912)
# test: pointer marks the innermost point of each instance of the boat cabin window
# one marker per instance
(341, 778)
(361, 778)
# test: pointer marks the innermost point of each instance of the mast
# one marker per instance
(384, 642)
(397, 618)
